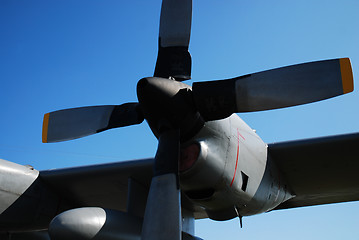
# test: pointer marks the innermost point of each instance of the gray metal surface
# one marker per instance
(104, 185)
(289, 86)
(96, 224)
(15, 179)
(24, 194)
(320, 170)
(162, 219)
(273, 89)
(73, 123)
(234, 174)
(175, 23)
(79, 122)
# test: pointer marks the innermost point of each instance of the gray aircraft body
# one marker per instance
(209, 162)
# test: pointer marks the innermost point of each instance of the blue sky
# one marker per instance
(62, 54)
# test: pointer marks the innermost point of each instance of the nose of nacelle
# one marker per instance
(162, 98)
(166, 100)
(201, 169)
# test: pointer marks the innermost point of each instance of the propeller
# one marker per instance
(273, 89)
(164, 194)
(173, 58)
(176, 111)
(79, 122)
(173, 61)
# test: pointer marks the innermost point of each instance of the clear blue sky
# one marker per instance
(62, 54)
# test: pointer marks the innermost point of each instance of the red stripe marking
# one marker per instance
(241, 135)
(235, 169)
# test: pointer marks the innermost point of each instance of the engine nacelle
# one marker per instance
(95, 223)
(15, 179)
(26, 204)
(203, 180)
(226, 170)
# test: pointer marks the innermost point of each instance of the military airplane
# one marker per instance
(209, 162)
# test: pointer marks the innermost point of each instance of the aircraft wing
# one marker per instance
(104, 185)
(320, 170)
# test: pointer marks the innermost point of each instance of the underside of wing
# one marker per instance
(111, 186)
(319, 171)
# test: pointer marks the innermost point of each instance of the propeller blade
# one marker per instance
(173, 58)
(162, 220)
(272, 89)
(74, 123)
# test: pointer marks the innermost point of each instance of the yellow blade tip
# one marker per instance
(45, 127)
(347, 75)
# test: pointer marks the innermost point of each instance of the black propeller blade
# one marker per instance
(173, 58)
(74, 123)
(162, 218)
(272, 89)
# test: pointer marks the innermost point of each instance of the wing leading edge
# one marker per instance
(320, 170)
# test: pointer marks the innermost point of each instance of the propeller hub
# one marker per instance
(168, 101)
